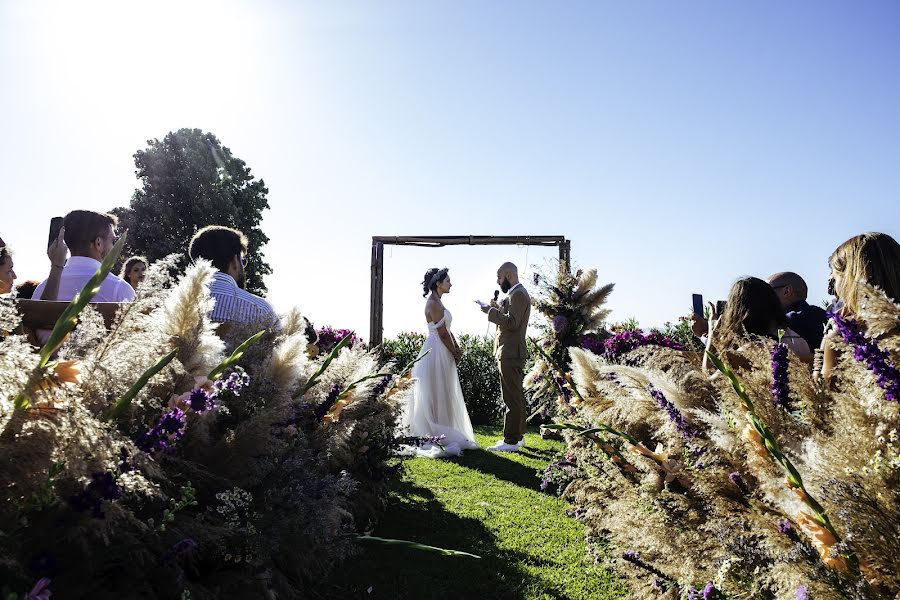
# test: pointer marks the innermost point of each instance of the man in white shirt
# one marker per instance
(90, 236)
(226, 249)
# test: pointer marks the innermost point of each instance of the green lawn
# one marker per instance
(487, 504)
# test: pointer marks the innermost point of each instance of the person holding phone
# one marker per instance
(89, 236)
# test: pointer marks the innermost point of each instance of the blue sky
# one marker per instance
(678, 145)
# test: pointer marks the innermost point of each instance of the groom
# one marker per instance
(511, 318)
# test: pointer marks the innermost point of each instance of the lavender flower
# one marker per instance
(738, 481)
(560, 323)
(631, 555)
(236, 380)
(180, 547)
(201, 401)
(865, 350)
(784, 526)
(709, 592)
(683, 427)
(329, 338)
(379, 388)
(801, 593)
(780, 390)
(169, 430)
(40, 591)
(332, 397)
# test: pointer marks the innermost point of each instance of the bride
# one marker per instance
(436, 409)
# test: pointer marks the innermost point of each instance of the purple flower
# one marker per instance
(329, 401)
(169, 430)
(236, 380)
(682, 426)
(379, 388)
(560, 323)
(780, 389)
(784, 526)
(180, 547)
(40, 591)
(865, 350)
(631, 555)
(201, 401)
(329, 338)
(626, 341)
(738, 481)
(801, 593)
(708, 591)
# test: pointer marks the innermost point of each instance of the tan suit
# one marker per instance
(510, 350)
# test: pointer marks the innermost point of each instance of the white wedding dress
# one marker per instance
(437, 407)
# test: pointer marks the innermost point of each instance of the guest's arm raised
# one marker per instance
(57, 253)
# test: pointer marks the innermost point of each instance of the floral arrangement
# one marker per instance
(571, 306)
(753, 480)
(156, 459)
(329, 338)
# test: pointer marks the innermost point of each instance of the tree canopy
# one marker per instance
(190, 180)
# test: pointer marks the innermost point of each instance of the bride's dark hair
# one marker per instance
(432, 278)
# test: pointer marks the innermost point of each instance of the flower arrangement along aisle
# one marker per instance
(154, 460)
(571, 307)
(751, 481)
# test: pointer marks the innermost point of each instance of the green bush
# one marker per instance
(478, 375)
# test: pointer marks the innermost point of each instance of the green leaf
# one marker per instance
(330, 357)
(236, 355)
(413, 545)
(123, 402)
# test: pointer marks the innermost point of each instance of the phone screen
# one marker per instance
(56, 224)
(698, 304)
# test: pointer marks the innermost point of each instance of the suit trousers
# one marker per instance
(512, 375)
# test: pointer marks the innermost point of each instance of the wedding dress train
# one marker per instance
(437, 407)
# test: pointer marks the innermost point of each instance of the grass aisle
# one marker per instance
(487, 504)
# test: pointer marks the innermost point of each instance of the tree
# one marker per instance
(189, 180)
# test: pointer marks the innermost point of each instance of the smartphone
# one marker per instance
(720, 307)
(698, 304)
(56, 224)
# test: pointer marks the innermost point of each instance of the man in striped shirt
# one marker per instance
(226, 249)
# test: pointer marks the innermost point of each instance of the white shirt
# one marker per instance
(236, 304)
(77, 272)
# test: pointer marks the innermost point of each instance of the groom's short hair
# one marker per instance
(509, 267)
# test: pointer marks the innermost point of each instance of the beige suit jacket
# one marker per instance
(512, 321)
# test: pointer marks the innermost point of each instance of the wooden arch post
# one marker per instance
(376, 304)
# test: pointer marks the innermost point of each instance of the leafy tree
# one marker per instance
(189, 180)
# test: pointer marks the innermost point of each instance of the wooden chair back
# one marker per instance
(43, 314)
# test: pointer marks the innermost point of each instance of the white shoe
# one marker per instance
(521, 443)
(502, 446)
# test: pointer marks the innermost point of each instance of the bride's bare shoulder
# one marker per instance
(434, 310)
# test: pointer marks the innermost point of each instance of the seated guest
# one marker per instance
(226, 249)
(26, 288)
(7, 274)
(870, 257)
(134, 270)
(90, 236)
(753, 309)
(808, 321)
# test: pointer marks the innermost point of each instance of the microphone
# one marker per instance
(496, 295)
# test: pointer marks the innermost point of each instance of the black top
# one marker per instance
(808, 321)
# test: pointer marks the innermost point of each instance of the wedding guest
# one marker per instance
(226, 249)
(26, 288)
(808, 321)
(753, 309)
(871, 257)
(89, 236)
(7, 272)
(133, 271)
(57, 252)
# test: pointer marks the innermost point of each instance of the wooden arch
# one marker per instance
(376, 313)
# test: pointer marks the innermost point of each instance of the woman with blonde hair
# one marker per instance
(873, 258)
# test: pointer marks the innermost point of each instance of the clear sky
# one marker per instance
(678, 145)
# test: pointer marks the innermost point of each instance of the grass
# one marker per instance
(488, 504)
